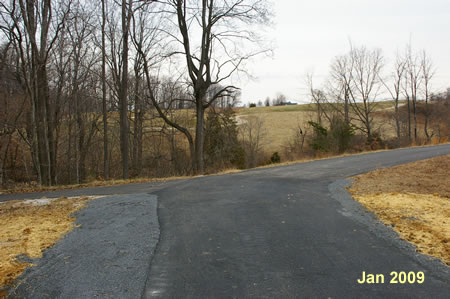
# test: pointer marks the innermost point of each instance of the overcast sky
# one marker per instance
(308, 34)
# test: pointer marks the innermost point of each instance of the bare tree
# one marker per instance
(213, 37)
(118, 37)
(83, 61)
(123, 90)
(427, 75)
(252, 134)
(412, 82)
(319, 98)
(12, 109)
(342, 69)
(279, 100)
(365, 85)
(294, 147)
(33, 26)
(395, 90)
(104, 95)
(140, 35)
(355, 84)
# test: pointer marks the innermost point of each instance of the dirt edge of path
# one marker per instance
(413, 199)
(28, 228)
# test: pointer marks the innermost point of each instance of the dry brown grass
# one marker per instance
(429, 176)
(280, 127)
(28, 227)
(281, 122)
(415, 200)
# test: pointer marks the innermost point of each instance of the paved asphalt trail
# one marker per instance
(290, 231)
(281, 233)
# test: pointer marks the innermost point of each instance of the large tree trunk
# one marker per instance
(426, 118)
(124, 132)
(38, 89)
(83, 175)
(104, 108)
(415, 118)
(346, 103)
(199, 139)
(123, 103)
(50, 134)
(81, 145)
(137, 128)
(33, 131)
(409, 119)
(368, 127)
(69, 147)
(43, 133)
(397, 120)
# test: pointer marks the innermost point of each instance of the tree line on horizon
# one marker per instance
(359, 77)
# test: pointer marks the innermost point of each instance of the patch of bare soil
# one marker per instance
(28, 227)
(414, 199)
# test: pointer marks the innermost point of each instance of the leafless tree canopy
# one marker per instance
(215, 39)
(360, 80)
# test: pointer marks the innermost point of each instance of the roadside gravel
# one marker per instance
(108, 255)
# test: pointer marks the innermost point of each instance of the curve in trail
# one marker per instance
(289, 231)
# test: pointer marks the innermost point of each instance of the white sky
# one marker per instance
(309, 34)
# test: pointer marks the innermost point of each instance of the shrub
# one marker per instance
(238, 159)
(341, 133)
(376, 142)
(319, 140)
(275, 158)
(252, 134)
(221, 139)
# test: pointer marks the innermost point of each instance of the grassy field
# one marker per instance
(304, 108)
(279, 126)
(272, 109)
(282, 122)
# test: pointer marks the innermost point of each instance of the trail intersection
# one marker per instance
(288, 231)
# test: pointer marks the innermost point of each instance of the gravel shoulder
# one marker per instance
(29, 227)
(107, 255)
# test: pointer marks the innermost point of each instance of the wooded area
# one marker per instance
(131, 76)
